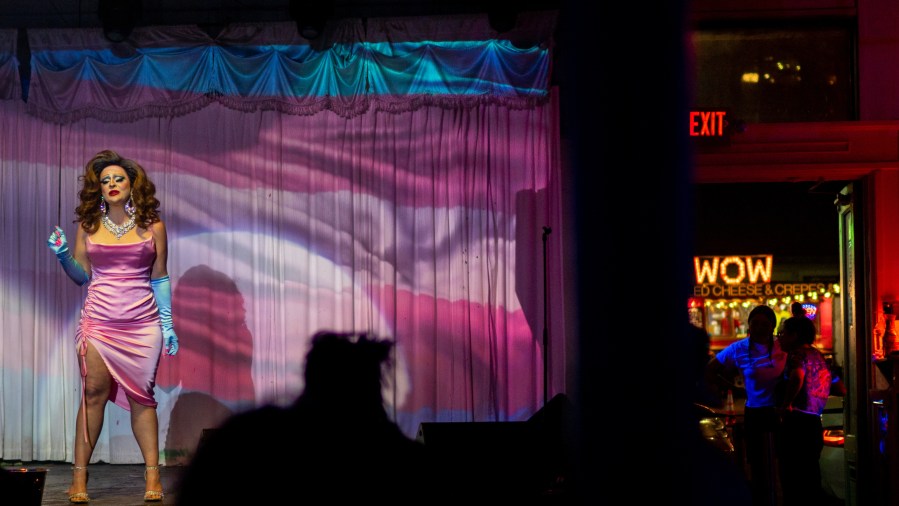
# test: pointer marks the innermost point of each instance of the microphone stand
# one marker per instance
(546, 232)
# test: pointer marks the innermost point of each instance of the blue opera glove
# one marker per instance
(57, 242)
(162, 290)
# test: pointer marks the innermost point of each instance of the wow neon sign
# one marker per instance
(733, 270)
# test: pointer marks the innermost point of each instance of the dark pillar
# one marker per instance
(624, 100)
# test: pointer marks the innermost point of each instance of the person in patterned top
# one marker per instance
(805, 391)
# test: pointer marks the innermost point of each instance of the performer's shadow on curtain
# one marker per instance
(213, 365)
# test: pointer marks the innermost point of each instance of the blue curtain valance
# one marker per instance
(9, 66)
(391, 64)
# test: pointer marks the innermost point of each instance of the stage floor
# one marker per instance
(109, 484)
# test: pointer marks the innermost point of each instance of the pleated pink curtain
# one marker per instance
(421, 223)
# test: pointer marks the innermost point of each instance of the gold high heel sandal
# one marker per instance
(152, 495)
(80, 497)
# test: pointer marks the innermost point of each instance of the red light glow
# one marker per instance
(833, 437)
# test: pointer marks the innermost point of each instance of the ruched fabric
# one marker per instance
(120, 319)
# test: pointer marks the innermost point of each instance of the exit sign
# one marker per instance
(709, 125)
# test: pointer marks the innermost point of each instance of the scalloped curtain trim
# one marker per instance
(395, 66)
(307, 108)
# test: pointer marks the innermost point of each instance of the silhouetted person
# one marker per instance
(700, 343)
(807, 387)
(718, 479)
(335, 445)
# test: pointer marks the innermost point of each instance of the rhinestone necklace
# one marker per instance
(116, 230)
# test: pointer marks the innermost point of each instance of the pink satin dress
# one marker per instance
(121, 320)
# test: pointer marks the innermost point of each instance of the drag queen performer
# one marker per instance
(126, 319)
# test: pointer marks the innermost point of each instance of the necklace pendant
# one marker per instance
(117, 230)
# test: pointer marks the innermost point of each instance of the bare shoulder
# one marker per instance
(158, 229)
(80, 233)
(157, 232)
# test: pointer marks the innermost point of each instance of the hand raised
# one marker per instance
(57, 241)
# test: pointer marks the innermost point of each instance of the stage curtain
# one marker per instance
(9, 65)
(415, 218)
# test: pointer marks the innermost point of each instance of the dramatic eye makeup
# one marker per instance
(118, 179)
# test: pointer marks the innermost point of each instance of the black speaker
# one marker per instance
(485, 460)
(553, 430)
(528, 462)
(22, 486)
(473, 436)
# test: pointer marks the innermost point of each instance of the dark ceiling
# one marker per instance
(84, 13)
(793, 220)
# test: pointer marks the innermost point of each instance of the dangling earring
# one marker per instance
(102, 205)
(129, 206)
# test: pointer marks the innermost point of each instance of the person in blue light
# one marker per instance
(759, 359)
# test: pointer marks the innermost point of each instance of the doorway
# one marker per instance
(799, 225)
